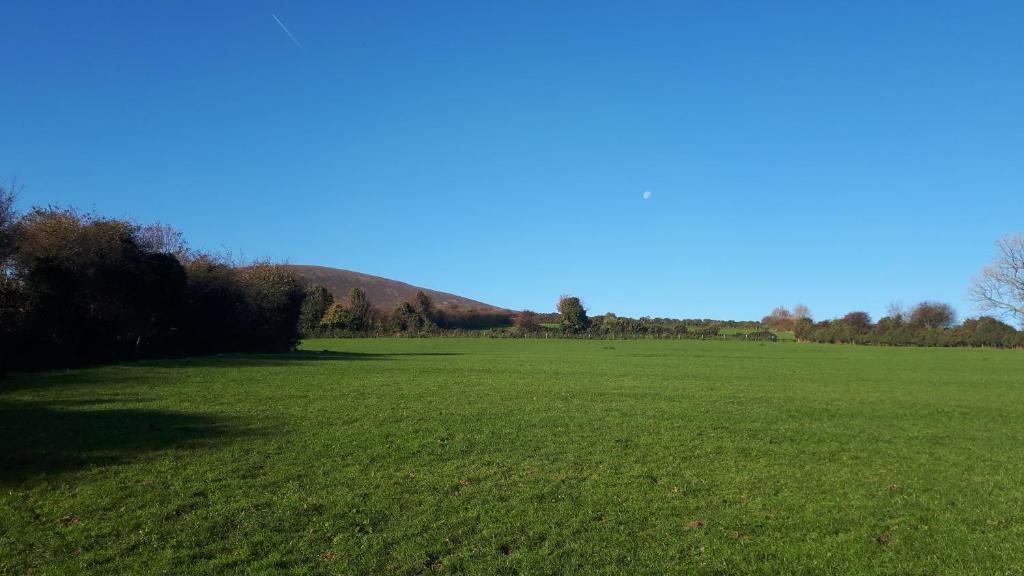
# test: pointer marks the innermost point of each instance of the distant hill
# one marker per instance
(383, 293)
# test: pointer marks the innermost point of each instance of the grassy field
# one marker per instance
(520, 457)
(781, 334)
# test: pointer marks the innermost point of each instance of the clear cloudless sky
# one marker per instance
(841, 154)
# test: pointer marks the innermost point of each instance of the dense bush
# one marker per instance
(356, 316)
(407, 319)
(272, 305)
(80, 289)
(526, 323)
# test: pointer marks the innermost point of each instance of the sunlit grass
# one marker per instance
(411, 456)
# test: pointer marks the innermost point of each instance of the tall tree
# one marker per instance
(424, 306)
(336, 317)
(360, 311)
(215, 307)
(999, 288)
(896, 312)
(573, 315)
(274, 298)
(12, 294)
(8, 216)
(315, 303)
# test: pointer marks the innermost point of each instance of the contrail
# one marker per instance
(286, 30)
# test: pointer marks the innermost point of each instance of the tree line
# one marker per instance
(998, 289)
(76, 289)
(925, 324)
(323, 316)
(80, 289)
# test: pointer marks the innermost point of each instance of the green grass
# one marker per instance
(731, 331)
(781, 334)
(483, 456)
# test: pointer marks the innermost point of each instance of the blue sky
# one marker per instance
(840, 154)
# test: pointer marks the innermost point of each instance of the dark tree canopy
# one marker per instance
(932, 315)
(316, 301)
(360, 311)
(858, 321)
(526, 322)
(7, 220)
(80, 289)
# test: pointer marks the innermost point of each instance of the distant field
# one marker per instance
(413, 456)
(781, 334)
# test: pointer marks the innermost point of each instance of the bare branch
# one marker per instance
(999, 288)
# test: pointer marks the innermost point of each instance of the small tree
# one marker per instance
(896, 312)
(780, 319)
(336, 317)
(573, 315)
(406, 319)
(8, 217)
(932, 315)
(13, 298)
(526, 322)
(860, 322)
(164, 239)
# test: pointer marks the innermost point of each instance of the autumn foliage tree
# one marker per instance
(526, 322)
(859, 322)
(77, 289)
(780, 319)
(932, 315)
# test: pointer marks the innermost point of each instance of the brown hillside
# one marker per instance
(383, 293)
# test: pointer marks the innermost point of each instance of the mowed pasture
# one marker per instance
(416, 456)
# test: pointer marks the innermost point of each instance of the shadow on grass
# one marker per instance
(89, 375)
(40, 439)
(290, 358)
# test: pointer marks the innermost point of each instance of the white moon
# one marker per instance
(647, 194)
